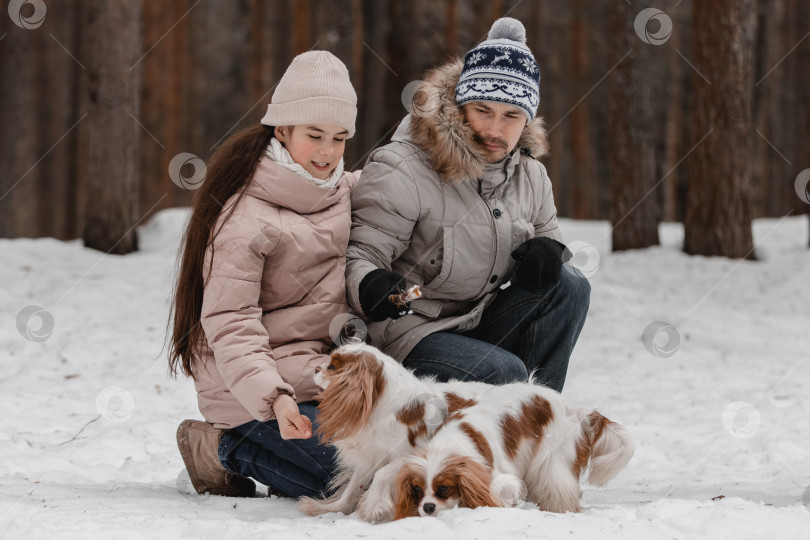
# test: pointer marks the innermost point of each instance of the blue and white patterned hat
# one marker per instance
(502, 68)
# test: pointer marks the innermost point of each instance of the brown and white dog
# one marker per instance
(375, 411)
(520, 441)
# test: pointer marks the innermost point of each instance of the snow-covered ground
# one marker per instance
(718, 399)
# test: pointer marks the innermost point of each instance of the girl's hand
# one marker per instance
(291, 423)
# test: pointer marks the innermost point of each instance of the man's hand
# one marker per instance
(375, 288)
(539, 261)
(291, 423)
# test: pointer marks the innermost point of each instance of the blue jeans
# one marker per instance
(296, 467)
(520, 332)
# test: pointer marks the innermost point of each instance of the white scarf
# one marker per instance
(279, 154)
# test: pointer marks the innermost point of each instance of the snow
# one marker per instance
(87, 446)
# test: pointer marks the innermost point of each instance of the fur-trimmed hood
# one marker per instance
(439, 129)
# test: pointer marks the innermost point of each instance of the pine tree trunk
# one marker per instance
(801, 61)
(718, 198)
(18, 129)
(113, 163)
(635, 209)
(582, 174)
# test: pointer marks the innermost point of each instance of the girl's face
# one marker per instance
(318, 148)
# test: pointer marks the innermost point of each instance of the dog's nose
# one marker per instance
(428, 508)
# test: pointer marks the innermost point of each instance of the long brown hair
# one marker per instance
(228, 170)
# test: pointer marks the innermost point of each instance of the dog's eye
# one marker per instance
(331, 367)
(417, 491)
(443, 491)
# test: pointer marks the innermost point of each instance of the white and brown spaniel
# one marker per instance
(375, 411)
(519, 441)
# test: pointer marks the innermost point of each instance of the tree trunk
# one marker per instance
(113, 163)
(718, 198)
(59, 96)
(18, 130)
(635, 210)
(582, 159)
(774, 108)
(801, 61)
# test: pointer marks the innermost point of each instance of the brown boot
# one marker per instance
(198, 443)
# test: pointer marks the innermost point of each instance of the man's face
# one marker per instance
(497, 127)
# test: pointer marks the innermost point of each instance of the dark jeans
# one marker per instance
(520, 332)
(296, 467)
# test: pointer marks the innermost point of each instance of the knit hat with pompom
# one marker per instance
(315, 89)
(502, 69)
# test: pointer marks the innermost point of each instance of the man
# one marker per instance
(459, 204)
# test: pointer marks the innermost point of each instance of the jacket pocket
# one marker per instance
(446, 253)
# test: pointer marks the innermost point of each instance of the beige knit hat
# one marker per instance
(315, 89)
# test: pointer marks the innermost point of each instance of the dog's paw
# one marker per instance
(508, 490)
(312, 507)
(380, 510)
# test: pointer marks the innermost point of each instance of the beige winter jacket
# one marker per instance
(432, 210)
(276, 284)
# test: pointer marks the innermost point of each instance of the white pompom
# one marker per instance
(508, 28)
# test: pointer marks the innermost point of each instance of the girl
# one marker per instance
(261, 278)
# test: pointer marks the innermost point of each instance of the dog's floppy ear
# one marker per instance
(406, 499)
(355, 385)
(473, 484)
(340, 359)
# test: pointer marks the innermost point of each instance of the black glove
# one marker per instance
(539, 261)
(375, 288)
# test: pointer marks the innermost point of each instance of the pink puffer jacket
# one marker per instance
(277, 282)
